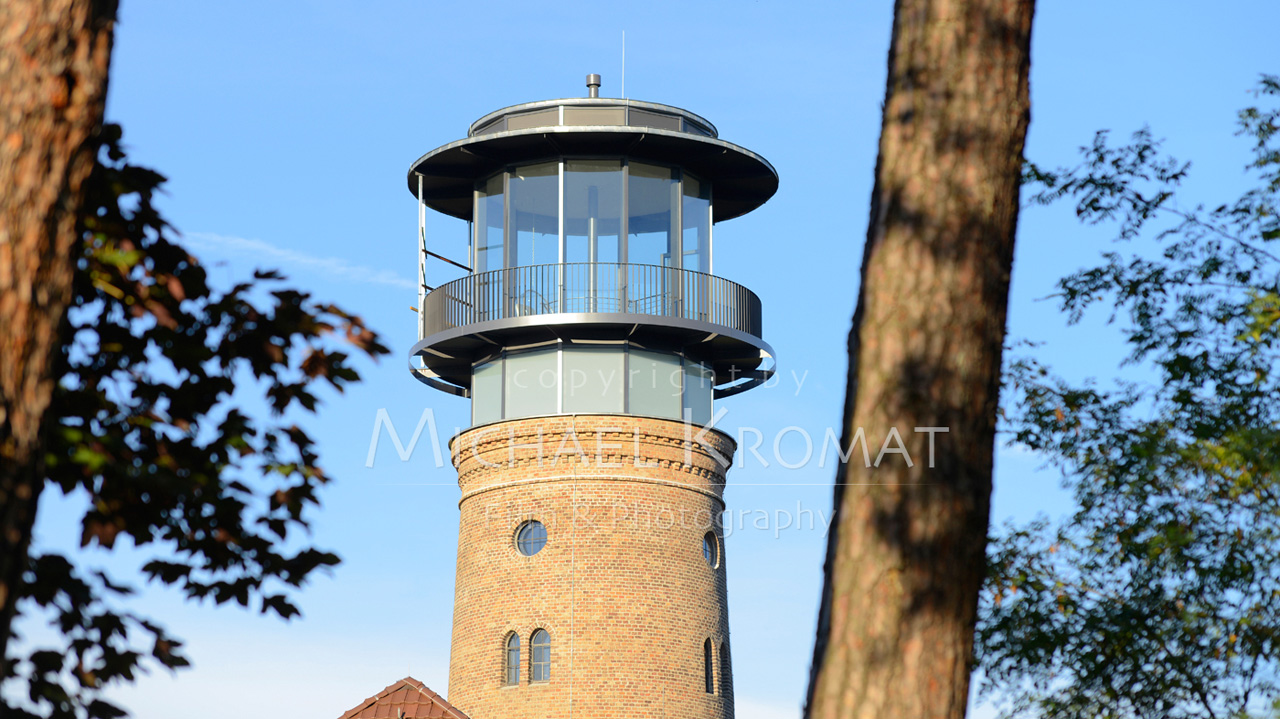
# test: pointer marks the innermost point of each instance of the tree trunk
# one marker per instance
(906, 561)
(54, 56)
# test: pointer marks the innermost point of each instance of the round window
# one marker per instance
(531, 537)
(711, 549)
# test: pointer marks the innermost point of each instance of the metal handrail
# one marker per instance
(591, 287)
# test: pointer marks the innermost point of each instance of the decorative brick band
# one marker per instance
(716, 495)
(592, 445)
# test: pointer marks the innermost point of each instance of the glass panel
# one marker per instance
(532, 383)
(488, 225)
(540, 661)
(486, 393)
(696, 215)
(593, 379)
(699, 382)
(651, 229)
(531, 538)
(653, 387)
(535, 214)
(592, 227)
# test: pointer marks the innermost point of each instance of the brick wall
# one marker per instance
(621, 585)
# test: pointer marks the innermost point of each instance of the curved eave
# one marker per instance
(732, 354)
(741, 179)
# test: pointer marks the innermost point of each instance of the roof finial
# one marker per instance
(593, 85)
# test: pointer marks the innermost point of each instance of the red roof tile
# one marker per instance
(407, 698)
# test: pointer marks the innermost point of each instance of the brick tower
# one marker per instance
(591, 338)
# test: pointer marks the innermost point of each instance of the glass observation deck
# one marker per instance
(591, 224)
(592, 210)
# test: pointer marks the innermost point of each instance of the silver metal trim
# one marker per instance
(574, 129)
(587, 318)
(431, 379)
(593, 102)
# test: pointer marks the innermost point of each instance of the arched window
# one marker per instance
(540, 656)
(513, 660)
(726, 676)
(708, 667)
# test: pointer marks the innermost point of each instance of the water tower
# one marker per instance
(592, 337)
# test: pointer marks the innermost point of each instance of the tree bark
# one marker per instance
(54, 57)
(906, 560)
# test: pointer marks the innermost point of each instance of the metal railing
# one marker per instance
(592, 288)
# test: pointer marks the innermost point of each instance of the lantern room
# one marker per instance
(589, 280)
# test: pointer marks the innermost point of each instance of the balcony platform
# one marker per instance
(708, 318)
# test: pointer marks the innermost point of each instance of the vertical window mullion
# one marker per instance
(677, 251)
(677, 248)
(684, 390)
(562, 208)
(560, 299)
(508, 244)
(508, 232)
(624, 228)
(624, 255)
(474, 254)
(711, 228)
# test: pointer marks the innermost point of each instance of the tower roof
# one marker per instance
(407, 699)
(600, 126)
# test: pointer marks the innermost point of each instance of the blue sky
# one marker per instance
(286, 130)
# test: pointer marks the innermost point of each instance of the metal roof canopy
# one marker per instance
(741, 180)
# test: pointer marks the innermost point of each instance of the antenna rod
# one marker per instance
(624, 65)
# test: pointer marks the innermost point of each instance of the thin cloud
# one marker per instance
(334, 267)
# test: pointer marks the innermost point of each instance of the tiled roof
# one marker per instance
(407, 698)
